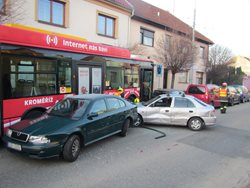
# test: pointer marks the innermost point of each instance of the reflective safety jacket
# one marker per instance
(223, 92)
(119, 93)
(137, 100)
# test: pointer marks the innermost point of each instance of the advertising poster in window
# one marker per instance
(158, 70)
(83, 80)
(96, 80)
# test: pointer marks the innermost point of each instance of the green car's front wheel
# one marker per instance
(72, 148)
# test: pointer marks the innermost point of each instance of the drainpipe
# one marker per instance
(129, 22)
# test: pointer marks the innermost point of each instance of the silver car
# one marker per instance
(173, 109)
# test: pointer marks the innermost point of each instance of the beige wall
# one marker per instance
(150, 52)
(244, 63)
(82, 21)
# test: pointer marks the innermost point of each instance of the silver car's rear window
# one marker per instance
(200, 102)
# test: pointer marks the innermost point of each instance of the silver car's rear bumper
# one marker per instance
(209, 120)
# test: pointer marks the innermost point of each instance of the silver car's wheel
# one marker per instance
(195, 124)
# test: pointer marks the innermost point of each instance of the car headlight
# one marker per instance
(9, 132)
(39, 140)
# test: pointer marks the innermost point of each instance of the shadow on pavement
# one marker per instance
(1, 144)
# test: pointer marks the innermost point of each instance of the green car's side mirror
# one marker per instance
(92, 115)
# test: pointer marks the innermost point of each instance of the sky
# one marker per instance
(225, 22)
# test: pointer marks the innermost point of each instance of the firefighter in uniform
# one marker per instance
(137, 100)
(119, 92)
(223, 94)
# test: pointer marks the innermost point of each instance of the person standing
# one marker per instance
(119, 92)
(223, 94)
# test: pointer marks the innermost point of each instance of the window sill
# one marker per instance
(147, 45)
(52, 24)
(112, 37)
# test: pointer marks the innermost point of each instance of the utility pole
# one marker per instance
(193, 46)
(173, 6)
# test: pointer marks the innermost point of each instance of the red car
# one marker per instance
(208, 93)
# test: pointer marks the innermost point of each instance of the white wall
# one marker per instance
(82, 21)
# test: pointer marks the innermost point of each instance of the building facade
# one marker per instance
(241, 61)
(106, 22)
(149, 25)
(121, 23)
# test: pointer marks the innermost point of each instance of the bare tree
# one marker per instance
(11, 11)
(137, 49)
(219, 57)
(176, 55)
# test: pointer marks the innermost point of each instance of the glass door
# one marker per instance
(147, 84)
(97, 80)
(89, 79)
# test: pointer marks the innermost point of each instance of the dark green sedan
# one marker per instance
(72, 123)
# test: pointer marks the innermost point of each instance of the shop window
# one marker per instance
(106, 25)
(123, 75)
(52, 12)
(147, 37)
(131, 76)
(25, 77)
(64, 76)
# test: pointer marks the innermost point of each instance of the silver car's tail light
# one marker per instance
(212, 113)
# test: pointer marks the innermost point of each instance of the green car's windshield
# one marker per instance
(72, 108)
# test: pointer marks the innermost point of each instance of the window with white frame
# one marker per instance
(199, 77)
(183, 77)
(51, 12)
(147, 37)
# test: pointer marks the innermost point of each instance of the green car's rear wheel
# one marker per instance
(125, 127)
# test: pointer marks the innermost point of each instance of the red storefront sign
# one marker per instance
(17, 36)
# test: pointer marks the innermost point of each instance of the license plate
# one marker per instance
(14, 146)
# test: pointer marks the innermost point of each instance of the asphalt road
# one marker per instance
(216, 157)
